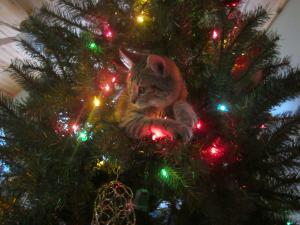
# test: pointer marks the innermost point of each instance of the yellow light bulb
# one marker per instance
(100, 163)
(96, 101)
(140, 19)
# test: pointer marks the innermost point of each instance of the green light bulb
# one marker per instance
(164, 173)
(92, 46)
(289, 223)
(83, 136)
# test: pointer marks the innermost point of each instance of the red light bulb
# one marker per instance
(198, 125)
(214, 150)
(75, 127)
(154, 137)
(231, 3)
(107, 87)
(263, 126)
(108, 34)
(158, 133)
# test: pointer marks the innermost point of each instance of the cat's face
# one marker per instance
(149, 83)
(146, 88)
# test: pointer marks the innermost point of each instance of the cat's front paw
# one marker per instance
(183, 133)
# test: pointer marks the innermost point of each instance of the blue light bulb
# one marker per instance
(222, 108)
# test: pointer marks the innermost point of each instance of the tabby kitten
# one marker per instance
(155, 89)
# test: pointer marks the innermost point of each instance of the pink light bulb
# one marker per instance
(215, 34)
(75, 127)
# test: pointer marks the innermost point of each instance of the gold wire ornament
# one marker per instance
(114, 205)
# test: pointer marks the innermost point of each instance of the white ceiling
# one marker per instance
(15, 11)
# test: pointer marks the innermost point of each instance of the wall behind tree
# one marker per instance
(285, 18)
(287, 24)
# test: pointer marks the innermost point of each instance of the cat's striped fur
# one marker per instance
(155, 89)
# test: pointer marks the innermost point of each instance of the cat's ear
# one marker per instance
(129, 58)
(157, 64)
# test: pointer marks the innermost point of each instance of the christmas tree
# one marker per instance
(71, 163)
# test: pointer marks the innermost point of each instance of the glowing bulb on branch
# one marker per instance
(158, 133)
(164, 173)
(231, 3)
(214, 150)
(92, 46)
(75, 127)
(215, 34)
(198, 124)
(107, 87)
(100, 163)
(263, 126)
(108, 34)
(222, 108)
(113, 80)
(140, 19)
(83, 136)
(96, 101)
(154, 137)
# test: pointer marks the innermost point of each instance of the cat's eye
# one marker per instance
(142, 90)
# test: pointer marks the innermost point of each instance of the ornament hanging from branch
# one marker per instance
(240, 65)
(243, 61)
(114, 205)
